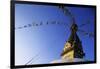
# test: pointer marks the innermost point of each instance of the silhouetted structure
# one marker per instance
(73, 45)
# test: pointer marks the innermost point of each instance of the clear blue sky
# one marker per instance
(45, 43)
